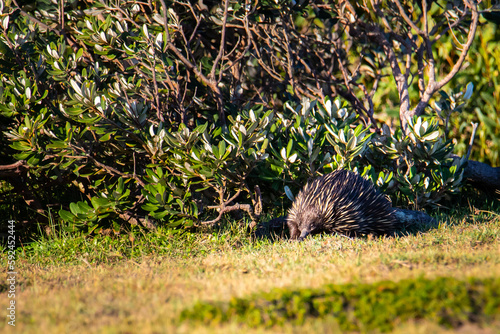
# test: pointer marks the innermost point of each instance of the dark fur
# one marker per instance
(340, 202)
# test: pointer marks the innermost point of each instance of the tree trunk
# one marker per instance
(483, 176)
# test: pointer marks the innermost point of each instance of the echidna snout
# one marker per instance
(340, 202)
(309, 222)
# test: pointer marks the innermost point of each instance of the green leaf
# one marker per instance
(57, 144)
(159, 172)
(201, 128)
(120, 186)
(222, 148)
(215, 151)
(21, 146)
(98, 202)
(289, 147)
(84, 207)
(66, 215)
(159, 215)
(150, 207)
(79, 53)
(240, 139)
(67, 163)
(74, 208)
(106, 137)
(430, 136)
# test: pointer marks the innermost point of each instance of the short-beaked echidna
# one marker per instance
(340, 202)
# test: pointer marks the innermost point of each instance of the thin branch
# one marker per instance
(289, 55)
(469, 150)
(407, 19)
(445, 30)
(116, 172)
(165, 19)
(61, 15)
(424, 12)
(224, 203)
(190, 66)
(399, 77)
(159, 110)
(235, 207)
(432, 86)
(17, 166)
(250, 41)
(31, 18)
(421, 67)
(222, 42)
(465, 51)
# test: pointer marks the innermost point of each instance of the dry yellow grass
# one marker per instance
(146, 297)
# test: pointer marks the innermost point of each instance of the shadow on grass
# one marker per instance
(273, 230)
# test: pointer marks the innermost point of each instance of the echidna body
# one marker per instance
(340, 202)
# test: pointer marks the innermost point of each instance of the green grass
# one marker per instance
(141, 282)
(446, 301)
(62, 247)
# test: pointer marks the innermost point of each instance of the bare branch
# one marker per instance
(465, 50)
(289, 60)
(17, 166)
(165, 20)
(471, 141)
(353, 98)
(407, 19)
(421, 67)
(424, 13)
(222, 42)
(399, 77)
(116, 172)
(190, 66)
(130, 218)
(432, 86)
(159, 113)
(245, 207)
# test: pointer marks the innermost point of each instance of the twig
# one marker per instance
(235, 207)
(407, 19)
(15, 166)
(222, 42)
(433, 86)
(115, 172)
(469, 150)
(190, 66)
(31, 18)
(159, 113)
(424, 13)
(165, 20)
(399, 77)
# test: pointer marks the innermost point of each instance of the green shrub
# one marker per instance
(482, 69)
(131, 113)
(379, 306)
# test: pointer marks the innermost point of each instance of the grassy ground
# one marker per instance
(139, 283)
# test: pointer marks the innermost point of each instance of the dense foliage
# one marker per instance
(168, 112)
(482, 69)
